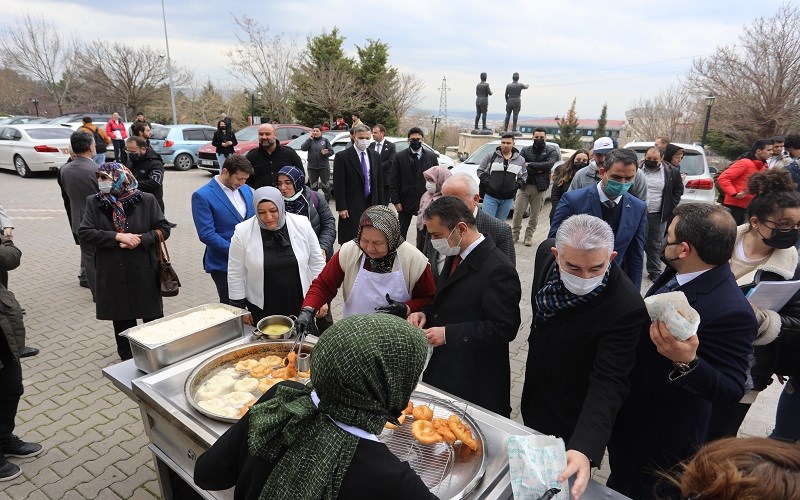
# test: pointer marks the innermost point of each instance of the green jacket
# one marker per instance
(13, 329)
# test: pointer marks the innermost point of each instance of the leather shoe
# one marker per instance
(83, 284)
(27, 352)
(172, 224)
(19, 448)
(8, 471)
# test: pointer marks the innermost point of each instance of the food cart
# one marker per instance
(179, 433)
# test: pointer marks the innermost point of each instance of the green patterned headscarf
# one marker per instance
(364, 369)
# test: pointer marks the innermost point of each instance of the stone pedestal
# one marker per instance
(468, 143)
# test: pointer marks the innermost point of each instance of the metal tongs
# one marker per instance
(303, 358)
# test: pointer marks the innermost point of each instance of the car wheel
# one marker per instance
(22, 167)
(183, 162)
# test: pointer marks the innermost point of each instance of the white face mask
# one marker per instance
(442, 246)
(578, 285)
(362, 144)
(105, 186)
(430, 187)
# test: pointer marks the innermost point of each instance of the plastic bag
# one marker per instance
(535, 461)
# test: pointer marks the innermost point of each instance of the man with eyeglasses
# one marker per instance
(674, 383)
(576, 375)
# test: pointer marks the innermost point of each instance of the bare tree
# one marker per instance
(757, 81)
(330, 88)
(400, 93)
(672, 113)
(263, 63)
(35, 48)
(138, 77)
(15, 92)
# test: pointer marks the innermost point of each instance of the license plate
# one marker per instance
(207, 162)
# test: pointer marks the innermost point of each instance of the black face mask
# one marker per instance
(781, 239)
(538, 143)
(578, 165)
(651, 164)
(667, 261)
(415, 144)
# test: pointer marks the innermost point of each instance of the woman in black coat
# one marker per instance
(120, 222)
(301, 200)
(225, 141)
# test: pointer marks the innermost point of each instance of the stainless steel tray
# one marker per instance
(153, 357)
(257, 349)
(449, 471)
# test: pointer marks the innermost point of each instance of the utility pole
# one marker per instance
(169, 68)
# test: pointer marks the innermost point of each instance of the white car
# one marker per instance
(331, 135)
(698, 179)
(471, 164)
(401, 143)
(33, 148)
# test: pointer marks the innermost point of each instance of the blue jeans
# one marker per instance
(787, 420)
(99, 158)
(497, 208)
(221, 160)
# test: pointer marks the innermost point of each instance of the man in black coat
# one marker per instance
(357, 182)
(674, 383)
(475, 313)
(387, 151)
(147, 166)
(269, 157)
(407, 184)
(576, 376)
(77, 181)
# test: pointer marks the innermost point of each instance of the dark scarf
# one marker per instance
(553, 296)
(383, 219)
(297, 204)
(276, 239)
(124, 194)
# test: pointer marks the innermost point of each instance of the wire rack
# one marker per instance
(435, 463)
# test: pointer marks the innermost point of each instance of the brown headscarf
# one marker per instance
(383, 219)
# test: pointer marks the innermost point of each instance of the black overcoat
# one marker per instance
(348, 186)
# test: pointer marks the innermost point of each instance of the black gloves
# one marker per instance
(399, 309)
(305, 321)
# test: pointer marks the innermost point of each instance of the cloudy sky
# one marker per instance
(614, 52)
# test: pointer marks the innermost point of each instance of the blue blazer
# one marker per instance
(215, 218)
(629, 238)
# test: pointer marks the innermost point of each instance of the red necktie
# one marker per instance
(456, 262)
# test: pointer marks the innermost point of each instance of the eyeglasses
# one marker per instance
(783, 226)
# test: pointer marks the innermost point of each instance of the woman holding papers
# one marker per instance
(765, 251)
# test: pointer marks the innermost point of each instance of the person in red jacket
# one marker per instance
(733, 181)
(115, 129)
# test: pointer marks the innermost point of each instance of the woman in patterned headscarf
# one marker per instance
(272, 258)
(120, 222)
(319, 441)
(377, 271)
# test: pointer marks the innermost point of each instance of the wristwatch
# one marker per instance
(684, 368)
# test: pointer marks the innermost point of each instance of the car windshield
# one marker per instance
(248, 134)
(160, 133)
(478, 156)
(49, 133)
(691, 164)
(297, 143)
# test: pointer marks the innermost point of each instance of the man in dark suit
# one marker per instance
(674, 383)
(464, 187)
(610, 201)
(387, 151)
(475, 313)
(407, 184)
(77, 181)
(357, 182)
(217, 207)
(576, 376)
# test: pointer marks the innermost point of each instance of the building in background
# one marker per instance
(586, 127)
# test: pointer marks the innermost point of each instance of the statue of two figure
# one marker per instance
(513, 102)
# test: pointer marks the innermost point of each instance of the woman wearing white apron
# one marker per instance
(377, 272)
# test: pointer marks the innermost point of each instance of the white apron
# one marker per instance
(370, 289)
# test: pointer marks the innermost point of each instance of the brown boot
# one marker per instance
(528, 241)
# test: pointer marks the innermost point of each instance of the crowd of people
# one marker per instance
(600, 374)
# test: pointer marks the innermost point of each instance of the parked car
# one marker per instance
(178, 144)
(20, 120)
(401, 143)
(297, 144)
(33, 148)
(248, 140)
(698, 177)
(75, 120)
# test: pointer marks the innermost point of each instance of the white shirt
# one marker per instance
(379, 147)
(687, 277)
(655, 187)
(604, 197)
(235, 196)
(472, 247)
(361, 433)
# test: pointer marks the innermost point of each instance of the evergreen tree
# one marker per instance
(373, 68)
(568, 135)
(601, 124)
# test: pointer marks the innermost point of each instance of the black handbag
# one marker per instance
(167, 277)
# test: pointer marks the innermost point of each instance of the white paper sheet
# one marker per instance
(773, 295)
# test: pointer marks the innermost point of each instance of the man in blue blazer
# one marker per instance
(216, 209)
(609, 200)
(674, 383)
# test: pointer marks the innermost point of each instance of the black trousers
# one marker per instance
(405, 223)
(10, 391)
(123, 344)
(738, 213)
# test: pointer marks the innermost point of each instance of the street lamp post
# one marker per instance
(435, 121)
(169, 68)
(253, 96)
(709, 102)
(35, 102)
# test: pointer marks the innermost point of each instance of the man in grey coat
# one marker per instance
(77, 181)
(591, 175)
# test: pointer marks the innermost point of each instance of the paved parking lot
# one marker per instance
(95, 446)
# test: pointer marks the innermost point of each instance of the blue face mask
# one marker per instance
(614, 188)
